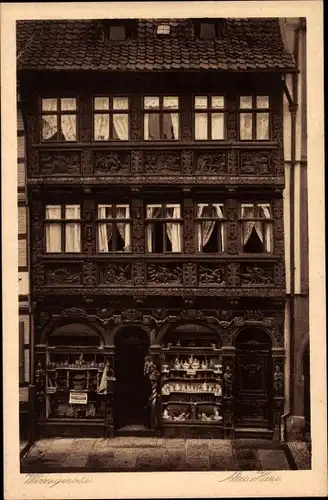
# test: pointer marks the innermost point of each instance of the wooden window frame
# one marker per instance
(111, 112)
(161, 111)
(164, 221)
(222, 220)
(114, 220)
(63, 221)
(58, 113)
(254, 111)
(209, 110)
(256, 218)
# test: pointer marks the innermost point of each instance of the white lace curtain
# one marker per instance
(247, 212)
(170, 119)
(205, 228)
(201, 127)
(53, 230)
(72, 229)
(67, 121)
(105, 229)
(173, 229)
(120, 120)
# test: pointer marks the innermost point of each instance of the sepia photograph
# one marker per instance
(163, 245)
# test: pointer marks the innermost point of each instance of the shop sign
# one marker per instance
(78, 398)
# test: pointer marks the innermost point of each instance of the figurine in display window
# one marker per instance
(177, 363)
(166, 415)
(195, 364)
(228, 381)
(216, 415)
(186, 365)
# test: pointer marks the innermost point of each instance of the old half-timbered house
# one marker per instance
(155, 179)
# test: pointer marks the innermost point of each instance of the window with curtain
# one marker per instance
(114, 228)
(163, 228)
(63, 228)
(58, 119)
(161, 118)
(257, 227)
(210, 228)
(209, 116)
(254, 118)
(111, 119)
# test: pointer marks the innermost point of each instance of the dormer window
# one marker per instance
(117, 33)
(163, 29)
(207, 30)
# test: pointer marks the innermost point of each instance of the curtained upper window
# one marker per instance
(209, 116)
(163, 227)
(161, 118)
(257, 229)
(114, 228)
(58, 119)
(254, 117)
(111, 119)
(63, 228)
(210, 228)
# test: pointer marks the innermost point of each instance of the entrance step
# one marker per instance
(134, 430)
(253, 432)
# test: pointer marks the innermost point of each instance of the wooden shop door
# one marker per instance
(132, 386)
(253, 384)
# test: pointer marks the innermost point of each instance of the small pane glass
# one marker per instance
(218, 101)
(105, 212)
(163, 29)
(72, 211)
(151, 127)
(245, 102)
(201, 126)
(247, 211)
(53, 212)
(72, 237)
(68, 128)
(49, 127)
(171, 102)
(200, 102)
(262, 101)
(101, 127)
(172, 211)
(120, 127)
(120, 103)
(53, 237)
(68, 104)
(170, 126)
(246, 126)
(122, 211)
(264, 211)
(262, 126)
(49, 104)
(101, 103)
(217, 126)
(153, 211)
(151, 102)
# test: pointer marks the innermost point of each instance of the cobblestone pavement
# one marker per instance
(158, 454)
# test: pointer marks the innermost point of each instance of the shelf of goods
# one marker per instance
(73, 385)
(191, 386)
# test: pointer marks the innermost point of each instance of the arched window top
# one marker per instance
(253, 336)
(192, 335)
(74, 335)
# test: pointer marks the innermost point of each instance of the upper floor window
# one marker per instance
(163, 29)
(58, 119)
(210, 228)
(111, 118)
(256, 222)
(207, 30)
(163, 228)
(161, 118)
(209, 117)
(254, 118)
(114, 228)
(63, 228)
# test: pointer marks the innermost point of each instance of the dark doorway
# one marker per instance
(253, 383)
(132, 386)
(307, 400)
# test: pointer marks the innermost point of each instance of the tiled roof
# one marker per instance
(245, 44)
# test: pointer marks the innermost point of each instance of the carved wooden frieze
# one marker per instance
(33, 164)
(164, 274)
(257, 274)
(36, 226)
(60, 163)
(138, 228)
(38, 273)
(278, 226)
(89, 236)
(233, 274)
(232, 227)
(211, 274)
(63, 274)
(85, 117)
(111, 163)
(187, 162)
(186, 117)
(87, 162)
(115, 274)
(89, 274)
(137, 162)
(231, 118)
(190, 274)
(232, 157)
(168, 162)
(256, 163)
(139, 273)
(212, 163)
(188, 226)
(136, 118)
(280, 274)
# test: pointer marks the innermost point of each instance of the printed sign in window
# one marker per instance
(79, 398)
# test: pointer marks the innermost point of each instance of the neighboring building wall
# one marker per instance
(23, 276)
(296, 228)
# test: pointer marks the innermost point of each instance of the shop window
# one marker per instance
(210, 228)
(257, 229)
(63, 228)
(114, 228)
(111, 118)
(161, 118)
(58, 119)
(254, 117)
(209, 117)
(163, 228)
